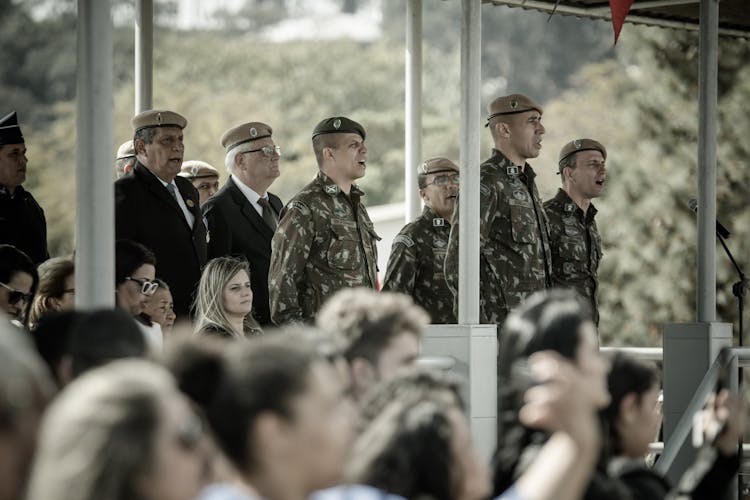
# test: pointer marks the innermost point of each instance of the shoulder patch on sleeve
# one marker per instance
(299, 206)
(484, 189)
(404, 240)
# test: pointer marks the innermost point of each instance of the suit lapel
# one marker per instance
(249, 212)
(155, 186)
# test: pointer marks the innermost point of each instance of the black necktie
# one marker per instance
(269, 216)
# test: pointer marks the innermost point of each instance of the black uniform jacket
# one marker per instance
(145, 212)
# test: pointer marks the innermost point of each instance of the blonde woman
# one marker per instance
(225, 300)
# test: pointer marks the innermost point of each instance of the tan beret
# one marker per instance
(436, 166)
(126, 150)
(158, 118)
(246, 132)
(196, 169)
(510, 105)
(581, 145)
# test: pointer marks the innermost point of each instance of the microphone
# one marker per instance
(720, 229)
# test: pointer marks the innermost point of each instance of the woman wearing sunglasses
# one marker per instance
(18, 283)
(135, 275)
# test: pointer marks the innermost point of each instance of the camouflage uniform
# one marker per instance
(515, 258)
(576, 247)
(415, 266)
(325, 241)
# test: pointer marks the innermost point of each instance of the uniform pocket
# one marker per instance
(522, 221)
(343, 252)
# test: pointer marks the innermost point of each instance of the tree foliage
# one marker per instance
(640, 100)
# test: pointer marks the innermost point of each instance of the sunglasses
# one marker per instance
(443, 180)
(14, 296)
(148, 288)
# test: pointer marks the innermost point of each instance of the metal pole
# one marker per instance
(707, 96)
(95, 262)
(144, 54)
(468, 237)
(413, 125)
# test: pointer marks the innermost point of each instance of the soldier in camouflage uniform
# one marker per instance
(515, 258)
(576, 244)
(415, 266)
(325, 240)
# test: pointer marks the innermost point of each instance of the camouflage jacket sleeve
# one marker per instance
(401, 273)
(290, 248)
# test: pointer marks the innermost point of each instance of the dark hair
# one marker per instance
(102, 336)
(145, 134)
(51, 337)
(549, 320)
(368, 320)
(410, 385)
(324, 141)
(234, 388)
(13, 261)
(627, 375)
(129, 256)
(407, 451)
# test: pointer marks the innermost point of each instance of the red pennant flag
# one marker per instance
(619, 10)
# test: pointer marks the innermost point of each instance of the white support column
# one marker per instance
(144, 55)
(707, 98)
(413, 119)
(95, 284)
(468, 243)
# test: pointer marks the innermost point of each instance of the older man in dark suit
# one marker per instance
(160, 210)
(243, 215)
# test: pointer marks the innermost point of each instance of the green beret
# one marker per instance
(436, 166)
(196, 169)
(338, 125)
(158, 118)
(126, 150)
(246, 132)
(510, 105)
(10, 132)
(581, 145)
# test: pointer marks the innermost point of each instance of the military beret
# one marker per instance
(157, 118)
(196, 169)
(10, 132)
(126, 150)
(581, 145)
(246, 132)
(510, 105)
(436, 166)
(337, 125)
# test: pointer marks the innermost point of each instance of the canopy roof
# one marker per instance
(734, 15)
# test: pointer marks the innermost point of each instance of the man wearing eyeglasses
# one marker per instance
(22, 221)
(576, 244)
(515, 259)
(205, 178)
(325, 240)
(243, 215)
(159, 209)
(415, 266)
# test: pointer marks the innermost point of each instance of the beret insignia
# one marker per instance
(336, 123)
(577, 143)
(253, 132)
(513, 104)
